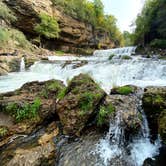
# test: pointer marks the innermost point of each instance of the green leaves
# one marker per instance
(48, 27)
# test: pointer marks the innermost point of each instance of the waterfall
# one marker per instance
(117, 51)
(22, 64)
(115, 150)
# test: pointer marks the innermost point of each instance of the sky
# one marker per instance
(124, 10)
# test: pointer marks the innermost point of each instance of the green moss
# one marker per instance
(111, 56)
(104, 112)
(62, 93)
(3, 131)
(158, 100)
(125, 90)
(147, 100)
(126, 57)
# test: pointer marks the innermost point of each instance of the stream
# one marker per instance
(111, 149)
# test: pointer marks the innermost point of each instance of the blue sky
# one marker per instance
(124, 10)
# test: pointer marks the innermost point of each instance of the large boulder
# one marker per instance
(78, 103)
(29, 106)
(154, 104)
(127, 107)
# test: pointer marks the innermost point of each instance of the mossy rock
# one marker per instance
(78, 103)
(124, 90)
(154, 105)
(3, 131)
(162, 126)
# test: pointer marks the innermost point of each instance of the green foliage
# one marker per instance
(27, 111)
(86, 101)
(48, 27)
(62, 93)
(151, 24)
(6, 13)
(4, 35)
(124, 90)
(103, 114)
(158, 43)
(128, 38)
(3, 131)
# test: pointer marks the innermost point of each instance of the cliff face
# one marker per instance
(74, 34)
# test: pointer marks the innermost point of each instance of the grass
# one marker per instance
(86, 101)
(27, 111)
(104, 112)
(125, 90)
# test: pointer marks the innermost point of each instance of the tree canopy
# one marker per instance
(151, 24)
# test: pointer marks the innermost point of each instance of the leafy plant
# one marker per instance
(103, 114)
(48, 27)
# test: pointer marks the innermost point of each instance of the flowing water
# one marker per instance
(22, 65)
(137, 71)
(115, 150)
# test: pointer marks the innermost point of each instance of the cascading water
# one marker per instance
(115, 150)
(22, 65)
(137, 71)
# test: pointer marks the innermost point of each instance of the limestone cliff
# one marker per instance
(74, 36)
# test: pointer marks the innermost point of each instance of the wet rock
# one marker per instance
(154, 104)
(79, 103)
(128, 105)
(80, 64)
(81, 152)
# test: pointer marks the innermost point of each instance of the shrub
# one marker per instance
(48, 27)
(104, 112)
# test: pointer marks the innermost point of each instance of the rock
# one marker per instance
(127, 105)
(34, 150)
(154, 104)
(9, 64)
(81, 152)
(74, 33)
(78, 104)
(31, 105)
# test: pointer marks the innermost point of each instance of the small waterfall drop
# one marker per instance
(117, 51)
(22, 64)
(115, 150)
